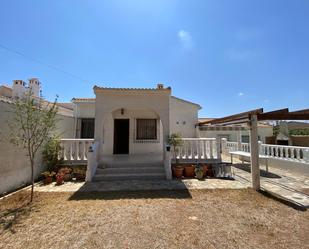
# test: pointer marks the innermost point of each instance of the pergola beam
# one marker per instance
(240, 116)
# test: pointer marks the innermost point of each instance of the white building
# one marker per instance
(134, 121)
(130, 126)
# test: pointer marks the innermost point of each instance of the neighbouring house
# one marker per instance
(14, 168)
(293, 133)
(234, 133)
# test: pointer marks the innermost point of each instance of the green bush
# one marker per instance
(52, 154)
(175, 140)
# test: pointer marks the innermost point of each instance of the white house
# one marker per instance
(128, 127)
(132, 120)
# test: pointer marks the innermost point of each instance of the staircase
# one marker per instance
(122, 168)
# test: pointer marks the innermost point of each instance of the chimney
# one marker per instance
(18, 88)
(35, 87)
(160, 86)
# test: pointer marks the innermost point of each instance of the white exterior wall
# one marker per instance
(181, 111)
(14, 166)
(85, 109)
(135, 147)
(136, 104)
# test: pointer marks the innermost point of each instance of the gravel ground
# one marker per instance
(151, 219)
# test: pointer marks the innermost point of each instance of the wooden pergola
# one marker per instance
(251, 118)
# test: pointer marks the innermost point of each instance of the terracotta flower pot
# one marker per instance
(210, 171)
(189, 171)
(48, 180)
(67, 177)
(59, 179)
(178, 171)
(205, 169)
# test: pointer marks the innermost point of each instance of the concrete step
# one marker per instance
(131, 176)
(130, 165)
(127, 170)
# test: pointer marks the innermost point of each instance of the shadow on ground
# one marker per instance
(263, 173)
(136, 194)
(9, 217)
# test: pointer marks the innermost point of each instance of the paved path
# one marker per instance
(289, 185)
(137, 185)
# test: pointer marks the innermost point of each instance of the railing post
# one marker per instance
(89, 165)
(254, 151)
(223, 145)
(260, 148)
(218, 145)
(306, 155)
(168, 163)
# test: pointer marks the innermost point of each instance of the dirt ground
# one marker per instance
(157, 219)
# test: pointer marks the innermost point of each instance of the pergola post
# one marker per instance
(254, 150)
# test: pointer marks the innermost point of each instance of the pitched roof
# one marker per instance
(164, 89)
(75, 100)
(186, 101)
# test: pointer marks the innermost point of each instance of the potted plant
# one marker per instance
(189, 170)
(48, 176)
(205, 169)
(178, 171)
(52, 154)
(199, 172)
(66, 172)
(175, 140)
(59, 179)
(210, 171)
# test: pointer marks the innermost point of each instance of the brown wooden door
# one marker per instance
(121, 136)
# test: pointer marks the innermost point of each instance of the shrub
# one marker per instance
(52, 154)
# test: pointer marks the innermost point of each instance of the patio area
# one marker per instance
(287, 185)
(140, 185)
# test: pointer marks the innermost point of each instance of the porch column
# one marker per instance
(254, 146)
(164, 116)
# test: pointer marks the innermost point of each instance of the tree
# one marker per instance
(33, 121)
(175, 140)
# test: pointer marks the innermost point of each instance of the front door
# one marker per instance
(121, 136)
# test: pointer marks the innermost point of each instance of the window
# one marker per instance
(245, 139)
(87, 128)
(146, 129)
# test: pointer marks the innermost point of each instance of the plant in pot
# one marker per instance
(205, 169)
(175, 140)
(59, 179)
(189, 170)
(52, 154)
(199, 172)
(48, 176)
(66, 172)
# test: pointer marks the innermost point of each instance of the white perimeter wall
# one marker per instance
(15, 170)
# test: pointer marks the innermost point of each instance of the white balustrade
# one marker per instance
(292, 153)
(231, 146)
(197, 148)
(75, 149)
(245, 147)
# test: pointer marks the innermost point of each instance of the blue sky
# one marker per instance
(228, 56)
